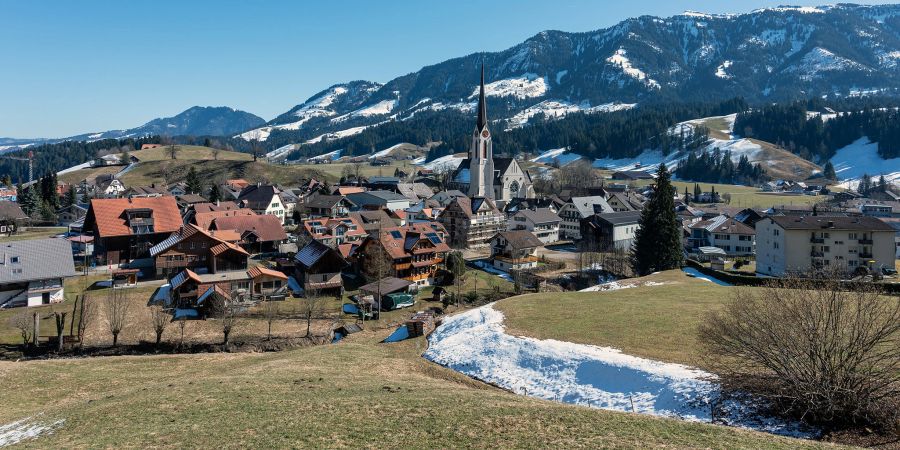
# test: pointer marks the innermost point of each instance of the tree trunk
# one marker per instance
(37, 329)
(158, 338)
(309, 323)
(225, 334)
(115, 339)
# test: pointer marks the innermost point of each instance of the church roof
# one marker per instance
(482, 106)
(501, 165)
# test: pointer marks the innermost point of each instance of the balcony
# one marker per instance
(816, 254)
(865, 255)
(815, 240)
(865, 242)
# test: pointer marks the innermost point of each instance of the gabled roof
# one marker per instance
(260, 271)
(723, 224)
(415, 191)
(188, 231)
(469, 206)
(109, 214)
(315, 251)
(539, 216)
(620, 218)
(205, 219)
(35, 259)
(327, 226)
(11, 211)
(266, 227)
(182, 277)
(322, 201)
(587, 206)
(861, 223)
(219, 206)
(399, 241)
(258, 196)
(520, 239)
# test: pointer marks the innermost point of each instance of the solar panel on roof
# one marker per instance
(434, 239)
(396, 234)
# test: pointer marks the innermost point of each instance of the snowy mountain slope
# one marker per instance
(859, 158)
(769, 54)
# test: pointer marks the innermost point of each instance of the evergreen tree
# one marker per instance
(28, 200)
(882, 184)
(47, 213)
(215, 194)
(194, 185)
(71, 197)
(657, 243)
(86, 197)
(687, 195)
(865, 184)
(125, 157)
(697, 191)
(829, 172)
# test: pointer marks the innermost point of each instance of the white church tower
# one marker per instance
(481, 155)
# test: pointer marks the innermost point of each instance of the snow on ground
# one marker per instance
(339, 134)
(692, 272)
(84, 165)
(380, 108)
(475, 343)
(620, 59)
(617, 285)
(861, 157)
(721, 71)
(28, 428)
(330, 156)
(553, 109)
(557, 155)
(448, 161)
(648, 160)
(281, 151)
(820, 60)
(526, 86)
(386, 151)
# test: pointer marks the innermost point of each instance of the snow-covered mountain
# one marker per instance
(195, 121)
(766, 55)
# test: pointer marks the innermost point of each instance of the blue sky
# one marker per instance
(73, 67)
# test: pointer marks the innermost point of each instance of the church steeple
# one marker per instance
(482, 106)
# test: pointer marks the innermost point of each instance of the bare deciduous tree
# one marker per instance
(270, 312)
(60, 318)
(229, 321)
(159, 320)
(23, 322)
(215, 152)
(311, 307)
(87, 313)
(115, 307)
(811, 349)
(172, 150)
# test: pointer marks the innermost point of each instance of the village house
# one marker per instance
(263, 199)
(723, 232)
(631, 175)
(334, 231)
(514, 250)
(372, 221)
(541, 222)
(624, 201)
(471, 223)
(199, 250)
(321, 205)
(124, 229)
(389, 200)
(205, 219)
(33, 272)
(610, 231)
(444, 198)
(11, 217)
(412, 252)
(107, 186)
(205, 293)
(145, 191)
(259, 233)
(318, 269)
(70, 214)
(576, 209)
(798, 244)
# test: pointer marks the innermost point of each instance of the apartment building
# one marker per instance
(786, 244)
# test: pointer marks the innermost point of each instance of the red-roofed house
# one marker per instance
(334, 232)
(259, 233)
(415, 251)
(124, 229)
(198, 250)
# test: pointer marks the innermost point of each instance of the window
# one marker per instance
(14, 260)
(776, 232)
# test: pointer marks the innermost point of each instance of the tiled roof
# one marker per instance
(267, 227)
(188, 231)
(521, 239)
(209, 207)
(259, 271)
(11, 211)
(724, 224)
(109, 214)
(540, 215)
(398, 241)
(205, 219)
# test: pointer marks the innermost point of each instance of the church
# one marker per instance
(482, 175)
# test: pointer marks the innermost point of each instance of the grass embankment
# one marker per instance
(747, 196)
(354, 394)
(26, 233)
(657, 322)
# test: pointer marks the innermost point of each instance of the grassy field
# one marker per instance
(356, 394)
(33, 233)
(658, 322)
(750, 197)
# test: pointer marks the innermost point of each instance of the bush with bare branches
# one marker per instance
(811, 350)
(23, 322)
(159, 320)
(115, 307)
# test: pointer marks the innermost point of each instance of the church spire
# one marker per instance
(482, 106)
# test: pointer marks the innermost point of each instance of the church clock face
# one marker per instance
(485, 134)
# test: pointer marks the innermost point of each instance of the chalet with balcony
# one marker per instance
(726, 233)
(321, 205)
(413, 252)
(199, 250)
(258, 233)
(515, 250)
(542, 223)
(124, 229)
(33, 272)
(318, 268)
(334, 231)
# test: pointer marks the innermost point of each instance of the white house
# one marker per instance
(735, 238)
(542, 222)
(263, 199)
(32, 272)
(579, 208)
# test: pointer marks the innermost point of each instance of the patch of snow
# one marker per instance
(330, 156)
(475, 343)
(617, 285)
(84, 165)
(444, 162)
(557, 155)
(861, 157)
(721, 70)
(560, 75)
(553, 109)
(338, 134)
(25, 429)
(648, 161)
(381, 108)
(800, 9)
(819, 60)
(526, 86)
(620, 58)
(281, 151)
(386, 151)
(694, 273)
